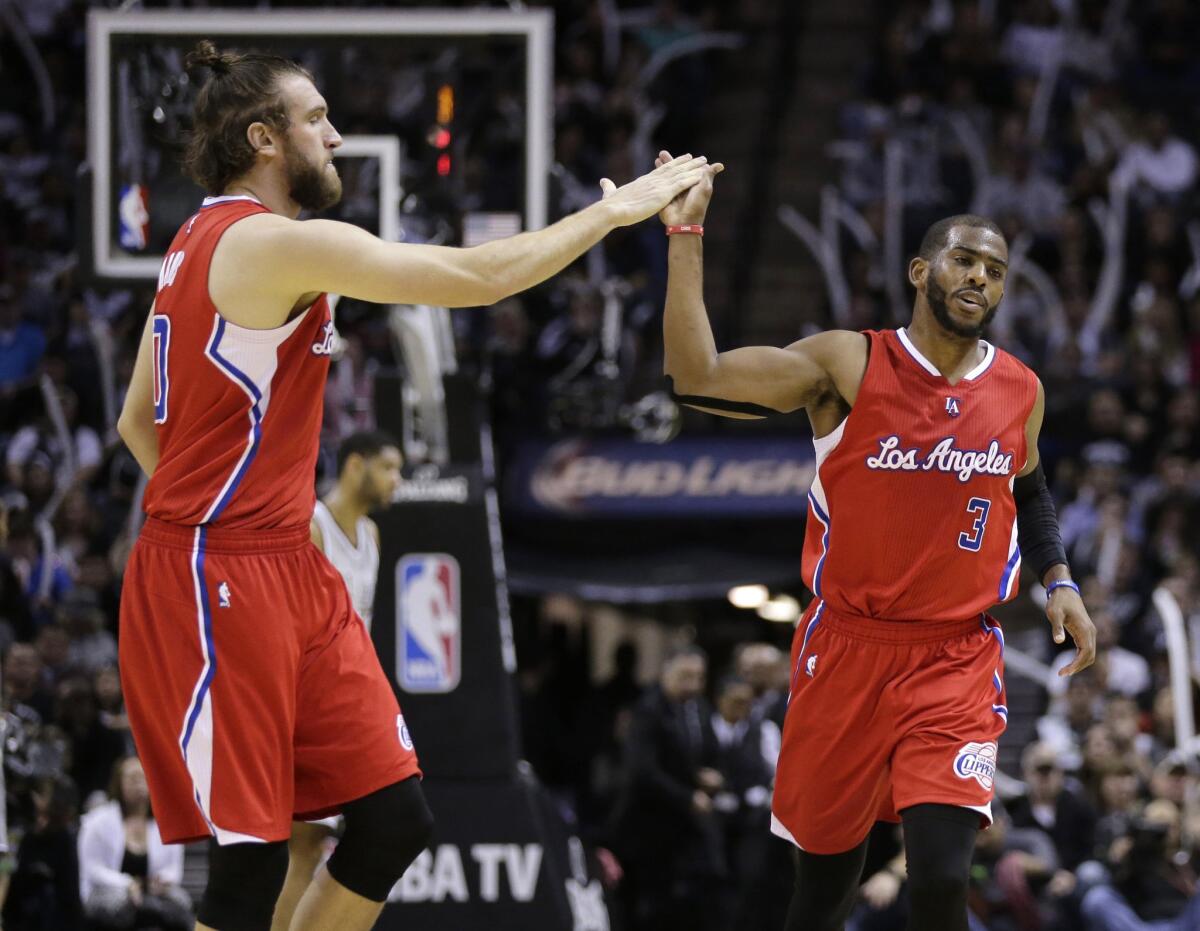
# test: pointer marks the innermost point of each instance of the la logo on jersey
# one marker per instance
(977, 761)
(325, 346)
(428, 623)
(953, 406)
(223, 594)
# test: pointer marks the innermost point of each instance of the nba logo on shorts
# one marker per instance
(428, 623)
(977, 761)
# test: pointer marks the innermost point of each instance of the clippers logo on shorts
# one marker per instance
(428, 623)
(402, 733)
(977, 761)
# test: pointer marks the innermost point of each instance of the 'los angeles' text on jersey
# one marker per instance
(911, 514)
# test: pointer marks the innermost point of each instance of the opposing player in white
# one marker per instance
(368, 466)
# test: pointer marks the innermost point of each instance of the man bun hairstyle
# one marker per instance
(936, 237)
(242, 88)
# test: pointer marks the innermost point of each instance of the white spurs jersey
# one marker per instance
(358, 563)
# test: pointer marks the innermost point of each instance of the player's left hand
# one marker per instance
(1066, 613)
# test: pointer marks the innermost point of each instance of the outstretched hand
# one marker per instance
(1066, 612)
(691, 205)
(645, 196)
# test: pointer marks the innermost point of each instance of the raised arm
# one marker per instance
(755, 380)
(273, 255)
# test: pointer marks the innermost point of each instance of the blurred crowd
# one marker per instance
(1071, 122)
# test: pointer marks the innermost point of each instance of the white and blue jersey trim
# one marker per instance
(227, 198)
(824, 519)
(248, 358)
(243, 381)
(999, 709)
(989, 354)
(813, 623)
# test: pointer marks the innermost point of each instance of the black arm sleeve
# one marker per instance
(719, 404)
(1037, 525)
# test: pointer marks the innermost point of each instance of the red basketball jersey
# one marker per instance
(238, 410)
(911, 514)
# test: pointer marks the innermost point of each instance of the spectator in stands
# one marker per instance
(74, 457)
(22, 681)
(92, 646)
(1064, 727)
(21, 346)
(1160, 165)
(45, 581)
(665, 832)
(1144, 885)
(128, 877)
(44, 891)
(109, 699)
(766, 669)
(95, 748)
(1118, 803)
(15, 620)
(1055, 804)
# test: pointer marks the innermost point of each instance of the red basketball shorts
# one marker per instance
(252, 687)
(883, 715)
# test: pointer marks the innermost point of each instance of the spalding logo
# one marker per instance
(977, 761)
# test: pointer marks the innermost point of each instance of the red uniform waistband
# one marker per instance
(879, 630)
(223, 540)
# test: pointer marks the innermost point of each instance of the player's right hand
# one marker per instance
(645, 196)
(691, 205)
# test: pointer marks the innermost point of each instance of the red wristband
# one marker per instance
(694, 228)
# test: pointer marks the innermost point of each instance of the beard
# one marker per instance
(311, 185)
(936, 295)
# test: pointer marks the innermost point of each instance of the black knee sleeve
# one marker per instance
(938, 843)
(244, 881)
(826, 889)
(385, 832)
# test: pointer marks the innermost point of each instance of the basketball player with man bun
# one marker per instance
(253, 690)
(927, 478)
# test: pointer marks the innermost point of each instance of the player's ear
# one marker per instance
(258, 134)
(918, 269)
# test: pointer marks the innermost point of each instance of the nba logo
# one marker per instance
(134, 216)
(953, 406)
(428, 623)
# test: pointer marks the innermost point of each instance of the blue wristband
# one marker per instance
(1062, 583)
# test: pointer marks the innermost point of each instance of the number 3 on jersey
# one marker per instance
(973, 539)
(160, 329)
